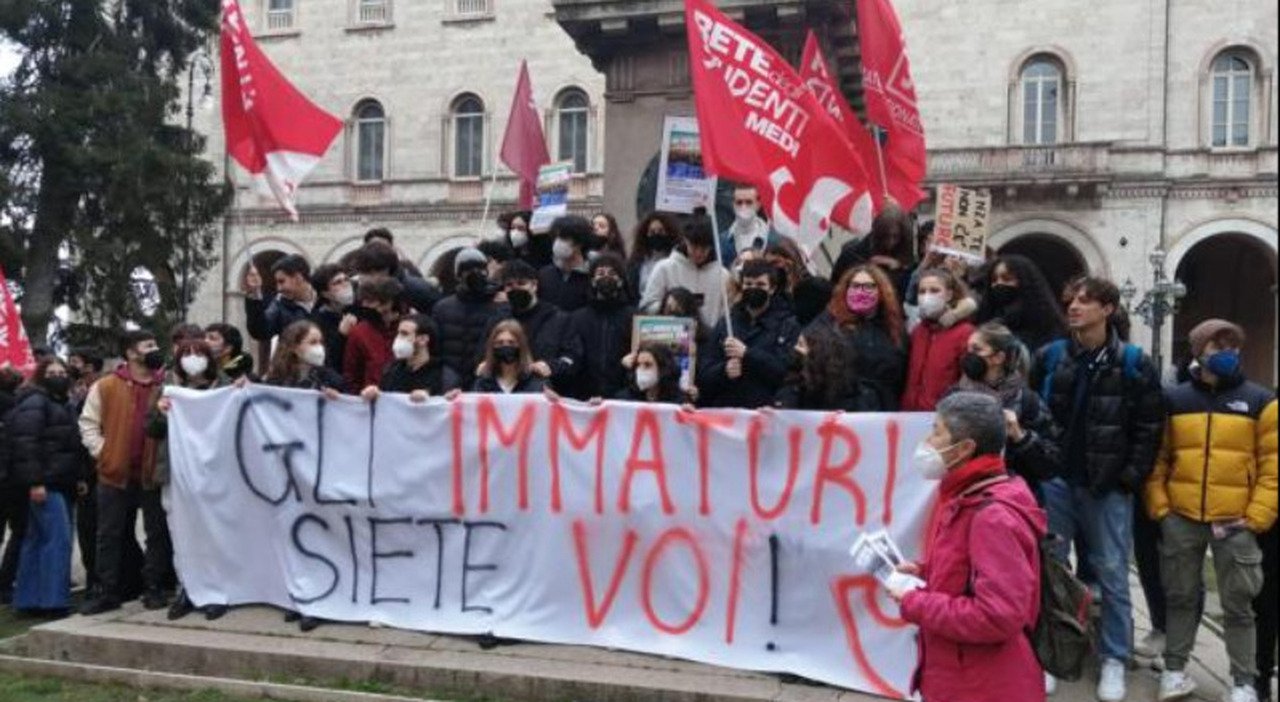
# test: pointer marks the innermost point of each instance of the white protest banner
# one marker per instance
(553, 195)
(716, 536)
(960, 227)
(683, 185)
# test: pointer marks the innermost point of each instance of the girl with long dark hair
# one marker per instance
(1019, 297)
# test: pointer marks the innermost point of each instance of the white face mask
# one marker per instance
(519, 238)
(562, 250)
(744, 214)
(314, 355)
(928, 461)
(345, 296)
(646, 378)
(932, 305)
(194, 365)
(402, 348)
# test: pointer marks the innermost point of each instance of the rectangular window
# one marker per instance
(372, 149)
(472, 7)
(374, 12)
(279, 15)
(573, 139)
(1030, 112)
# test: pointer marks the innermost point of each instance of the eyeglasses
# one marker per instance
(870, 287)
(751, 203)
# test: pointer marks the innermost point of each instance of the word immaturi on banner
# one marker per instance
(716, 536)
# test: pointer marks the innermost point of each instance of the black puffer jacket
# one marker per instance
(769, 339)
(464, 318)
(1110, 441)
(46, 442)
(605, 331)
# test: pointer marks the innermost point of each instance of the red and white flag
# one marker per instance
(816, 74)
(524, 148)
(272, 130)
(15, 349)
(891, 100)
(760, 124)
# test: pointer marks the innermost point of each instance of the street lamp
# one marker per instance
(1157, 303)
(204, 64)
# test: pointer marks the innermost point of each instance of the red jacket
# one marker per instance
(368, 352)
(935, 363)
(982, 594)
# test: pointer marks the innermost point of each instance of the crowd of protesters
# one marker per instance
(1047, 418)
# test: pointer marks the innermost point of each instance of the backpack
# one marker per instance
(1062, 635)
(1056, 350)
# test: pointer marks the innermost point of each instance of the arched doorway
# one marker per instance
(1231, 276)
(1056, 258)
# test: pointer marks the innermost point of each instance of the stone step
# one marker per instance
(253, 643)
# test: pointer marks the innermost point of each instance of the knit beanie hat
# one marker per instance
(1213, 329)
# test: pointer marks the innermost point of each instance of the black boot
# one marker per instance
(154, 598)
(99, 604)
(181, 607)
(306, 623)
(213, 612)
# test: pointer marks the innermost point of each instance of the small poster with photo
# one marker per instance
(553, 196)
(676, 333)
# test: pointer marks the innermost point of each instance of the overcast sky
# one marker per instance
(8, 59)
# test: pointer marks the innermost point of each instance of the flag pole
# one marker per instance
(715, 237)
(884, 180)
(488, 200)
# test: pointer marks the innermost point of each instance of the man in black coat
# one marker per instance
(463, 318)
(565, 282)
(604, 328)
(557, 352)
(747, 369)
(295, 298)
(1106, 396)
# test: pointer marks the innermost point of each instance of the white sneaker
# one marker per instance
(1111, 687)
(1175, 685)
(1151, 645)
(1242, 693)
(1050, 684)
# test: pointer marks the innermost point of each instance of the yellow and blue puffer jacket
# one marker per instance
(1218, 460)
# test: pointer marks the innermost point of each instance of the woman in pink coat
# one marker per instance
(981, 591)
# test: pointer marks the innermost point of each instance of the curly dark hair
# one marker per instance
(828, 374)
(640, 250)
(668, 372)
(1035, 315)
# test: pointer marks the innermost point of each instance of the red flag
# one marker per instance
(891, 100)
(272, 130)
(15, 349)
(816, 75)
(524, 148)
(759, 124)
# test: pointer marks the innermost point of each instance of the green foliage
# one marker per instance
(92, 152)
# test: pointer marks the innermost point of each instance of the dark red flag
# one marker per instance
(524, 148)
(891, 100)
(15, 349)
(272, 130)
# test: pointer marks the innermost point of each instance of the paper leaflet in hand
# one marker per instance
(876, 552)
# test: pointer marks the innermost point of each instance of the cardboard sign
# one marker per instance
(683, 185)
(960, 227)
(718, 536)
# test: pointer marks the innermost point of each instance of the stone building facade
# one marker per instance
(424, 88)
(1106, 131)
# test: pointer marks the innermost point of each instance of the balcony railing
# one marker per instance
(466, 8)
(1014, 161)
(279, 20)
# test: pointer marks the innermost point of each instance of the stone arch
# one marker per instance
(240, 260)
(1264, 233)
(435, 250)
(349, 244)
(1077, 239)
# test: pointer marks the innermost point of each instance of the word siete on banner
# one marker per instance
(717, 536)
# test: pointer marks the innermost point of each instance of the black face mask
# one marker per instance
(974, 367)
(475, 281)
(154, 360)
(607, 289)
(506, 355)
(755, 298)
(75, 373)
(520, 300)
(661, 242)
(1002, 295)
(57, 387)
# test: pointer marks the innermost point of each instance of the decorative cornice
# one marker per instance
(459, 213)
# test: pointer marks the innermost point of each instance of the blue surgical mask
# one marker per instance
(1224, 364)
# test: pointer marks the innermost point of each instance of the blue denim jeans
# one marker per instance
(1106, 523)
